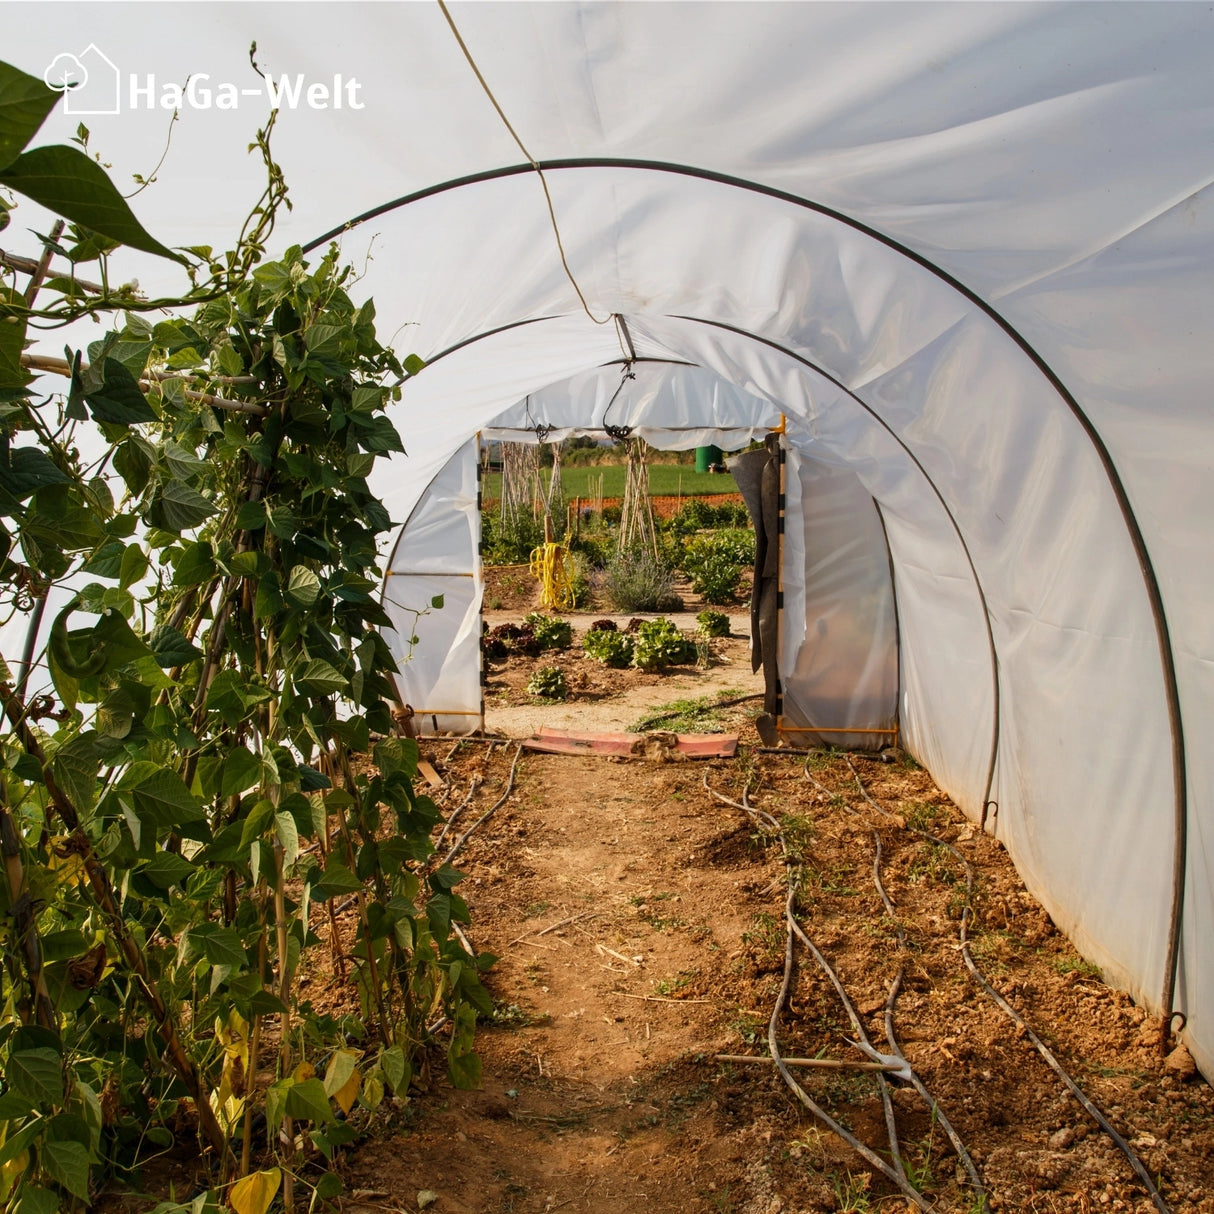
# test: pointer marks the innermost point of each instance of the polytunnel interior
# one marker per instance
(1026, 600)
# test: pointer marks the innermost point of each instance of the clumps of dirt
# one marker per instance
(511, 588)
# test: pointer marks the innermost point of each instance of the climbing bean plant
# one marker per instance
(199, 767)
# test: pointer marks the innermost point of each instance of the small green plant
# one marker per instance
(934, 861)
(766, 938)
(548, 683)
(833, 881)
(550, 631)
(919, 1169)
(1077, 965)
(511, 1016)
(749, 1027)
(680, 716)
(798, 830)
(852, 1193)
(713, 623)
(660, 644)
(639, 581)
(715, 563)
(509, 541)
(610, 648)
(920, 815)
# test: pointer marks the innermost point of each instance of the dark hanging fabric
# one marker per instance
(758, 476)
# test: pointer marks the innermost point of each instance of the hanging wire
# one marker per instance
(542, 429)
(535, 164)
(619, 433)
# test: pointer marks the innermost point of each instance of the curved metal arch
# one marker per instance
(952, 518)
(1137, 539)
(826, 375)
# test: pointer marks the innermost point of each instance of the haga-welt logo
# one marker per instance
(92, 84)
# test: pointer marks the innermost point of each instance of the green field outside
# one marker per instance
(664, 480)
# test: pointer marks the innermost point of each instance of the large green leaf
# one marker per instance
(119, 399)
(396, 1068)
(75, 767)
(14, 1144)
(335, 880)
(171, 648)
(107, 561)
(68, 1164)
(14, 1106)
(35, 1199)
(178, 508)
(288, 835)
(303, 587)
(307, 1101)
(25, 470)
(463, 1064)
(25, 102)
(220, 945)
(241, 770)
(166, 869)
(65, 181)
(161, 797)
(36, 1073)
(319, 678)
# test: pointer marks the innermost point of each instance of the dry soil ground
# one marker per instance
(639, 923)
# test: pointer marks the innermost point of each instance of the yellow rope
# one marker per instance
(552, 565)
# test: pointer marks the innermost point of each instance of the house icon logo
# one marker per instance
(89, 81)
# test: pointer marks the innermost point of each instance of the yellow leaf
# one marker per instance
(253, 1194)
(347, 1094)
(234, 1035)
(373, 1093)
(67, 865)
(12, 1172)
(341, 1066)
(305, 1070)
(229, 1100)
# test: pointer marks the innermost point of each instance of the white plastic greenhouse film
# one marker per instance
(838, 631)
(437, 558)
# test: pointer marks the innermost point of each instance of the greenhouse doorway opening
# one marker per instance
(822, 615)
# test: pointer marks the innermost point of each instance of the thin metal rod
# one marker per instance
(833, 729)
(893, 593)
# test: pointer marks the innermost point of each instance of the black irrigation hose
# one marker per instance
(852, 1014)
(869, 1156)
(896, 987)
(891, 1000)
(897, 1173)
(489, 812)
(1093, 1111)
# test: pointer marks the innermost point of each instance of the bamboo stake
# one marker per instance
(38, 273)
(27, 265)
(59, 366)
(246, 1134)
(287, 1135)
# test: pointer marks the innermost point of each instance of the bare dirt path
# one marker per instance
(638, 921)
